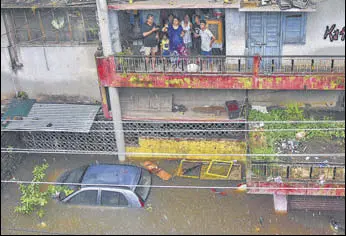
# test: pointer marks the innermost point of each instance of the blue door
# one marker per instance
(264, 37)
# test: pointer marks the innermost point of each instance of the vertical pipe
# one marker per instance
(312, 65)
(41, 25)
(69, 25)
(27, 25)
(292, 66)
(239, 65)
(256, 65)
(103, 18)
(247, 138)
(83, 25)
(11, 44)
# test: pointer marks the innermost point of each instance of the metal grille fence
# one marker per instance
(101, 137)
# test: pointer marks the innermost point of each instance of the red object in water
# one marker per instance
(232, 106)
(233, 109)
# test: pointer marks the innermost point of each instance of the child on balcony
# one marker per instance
(165, 47)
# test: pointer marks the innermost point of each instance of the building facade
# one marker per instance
(302, 50)
(262, 55)
(48, 48)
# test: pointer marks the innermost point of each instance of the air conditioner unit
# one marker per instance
(302, 4)
(285, 4)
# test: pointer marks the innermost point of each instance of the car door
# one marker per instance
(83, 197)
(113, 198)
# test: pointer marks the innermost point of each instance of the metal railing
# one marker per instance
(192, 64)
(297, 172)
(303, 64)
(231, 64)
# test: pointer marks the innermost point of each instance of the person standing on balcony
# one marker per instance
(175, 34)
(187, 27)
(207, 40)
(196, 37)
(151, 38)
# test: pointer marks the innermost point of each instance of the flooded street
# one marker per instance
(172, 211)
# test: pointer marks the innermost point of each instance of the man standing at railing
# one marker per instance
(151, 38)
(207, 40)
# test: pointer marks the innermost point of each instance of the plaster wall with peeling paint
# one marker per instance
(50, 70)
(327, 13)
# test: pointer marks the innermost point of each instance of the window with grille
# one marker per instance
(53, 26)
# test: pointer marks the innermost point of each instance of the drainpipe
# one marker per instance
(12, 48)
(103, 18)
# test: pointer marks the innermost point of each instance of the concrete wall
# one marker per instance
(53, 70)
(191, 98)
(314, 98)
(235, 32)
(59, 71)
(328, 12)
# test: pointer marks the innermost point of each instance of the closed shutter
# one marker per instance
(294, 26)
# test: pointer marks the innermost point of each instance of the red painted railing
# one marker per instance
(286, 73)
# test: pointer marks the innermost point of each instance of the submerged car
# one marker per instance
(107, 185)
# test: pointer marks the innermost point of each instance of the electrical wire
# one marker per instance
(173, 130)
(190, 122)
(51, 151)
(167, 186)
(19, 150)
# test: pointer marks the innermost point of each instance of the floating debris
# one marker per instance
(261, 221)
(154, 169)
(300, 135)
(42, 225)
(241, 188)
(257, 229)
(336, 226)
(149, 208)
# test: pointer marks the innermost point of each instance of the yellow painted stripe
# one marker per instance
(188, 146)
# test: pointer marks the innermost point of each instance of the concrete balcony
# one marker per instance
(224, 72)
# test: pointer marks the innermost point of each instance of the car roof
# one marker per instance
(112, 174)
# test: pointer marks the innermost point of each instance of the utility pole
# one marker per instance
(103, 18)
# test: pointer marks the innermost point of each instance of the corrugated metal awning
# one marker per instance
(57, 117)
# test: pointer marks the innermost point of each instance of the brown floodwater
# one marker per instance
(169, 211)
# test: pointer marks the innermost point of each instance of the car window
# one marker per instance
(110, 198)
(87, 197)
(145, 180)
